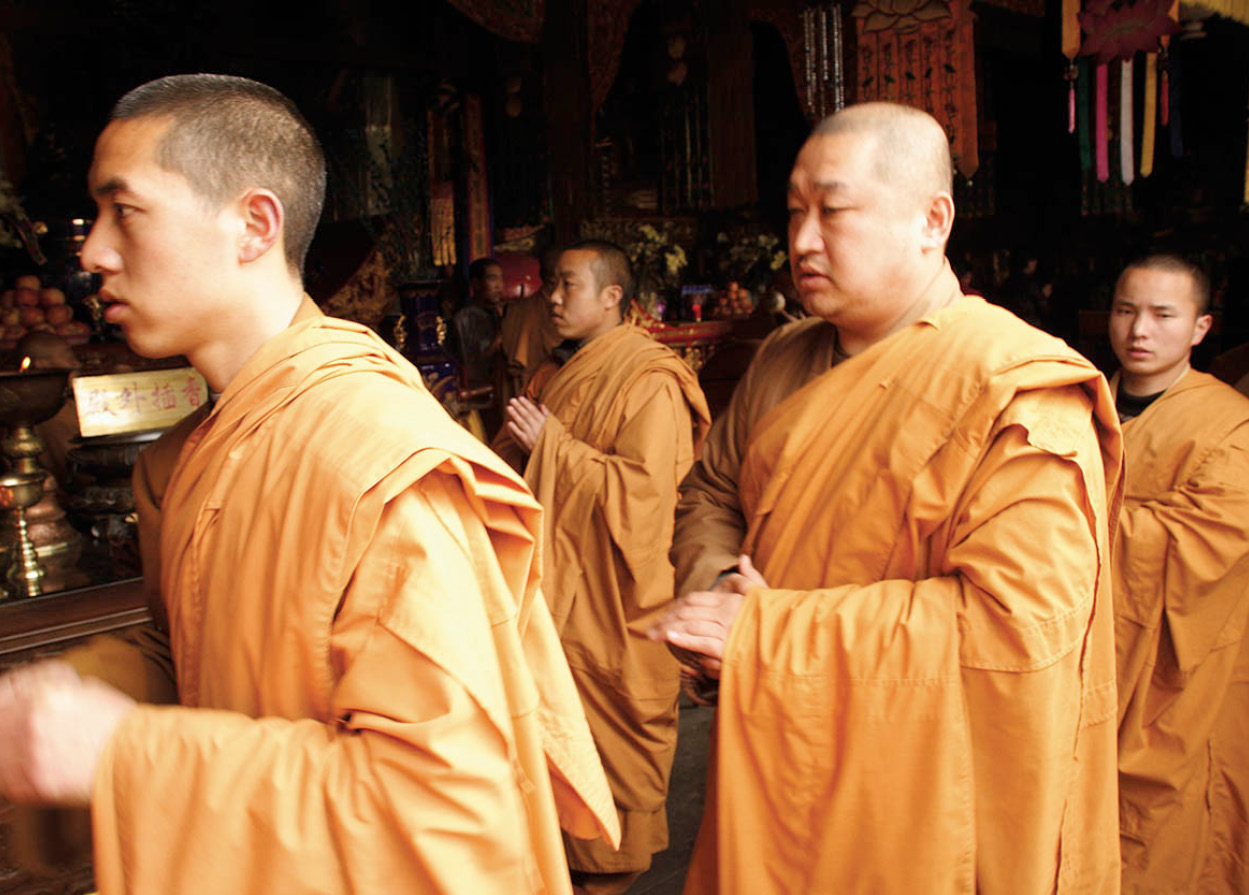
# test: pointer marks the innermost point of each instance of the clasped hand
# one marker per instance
(698, 624)
(525, 420)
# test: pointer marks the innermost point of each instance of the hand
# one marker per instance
(525, 420)
(698, 624)
(53, 728)
(739, 582)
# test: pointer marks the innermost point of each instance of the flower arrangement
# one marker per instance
(657, 259)
(750, 259)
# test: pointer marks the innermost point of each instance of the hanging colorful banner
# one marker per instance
(1150, 114)
(1120, 31)
(1127, 163)
(480, 227)
(923, 57)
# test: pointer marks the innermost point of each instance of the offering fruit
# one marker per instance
(51, 296)
(29, 307)
(59, 315)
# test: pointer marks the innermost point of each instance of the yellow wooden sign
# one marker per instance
(135, 402)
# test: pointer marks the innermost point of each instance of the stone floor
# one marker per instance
(685, 803)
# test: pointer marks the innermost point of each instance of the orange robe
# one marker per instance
(1181, 568)
(627, 418)
(528, 336)
(371, 690)
(923, 701)
(710, 525)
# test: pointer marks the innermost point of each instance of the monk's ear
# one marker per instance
(611, 296)
(262, 219)
(1204, 322)
(938, 221)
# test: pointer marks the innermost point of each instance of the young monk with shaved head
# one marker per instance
(1181, 565)
(604, 434)
(368, 694)
(894, 556)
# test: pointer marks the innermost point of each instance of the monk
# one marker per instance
(915, 649)
(1181, 579)
(604, 439)
(370, 692)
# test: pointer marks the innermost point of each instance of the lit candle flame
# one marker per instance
(25, 365)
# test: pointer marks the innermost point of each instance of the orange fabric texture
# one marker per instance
(627, 418)
(710, 526)
(1181, 603)
(371, 688)
(923, 698)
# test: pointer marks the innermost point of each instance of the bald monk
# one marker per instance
(527, 331)
(370, 690)
(1181, 579)
(915, 650)
(604, 440)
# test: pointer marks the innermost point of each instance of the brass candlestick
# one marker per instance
(26, 399)
(19, 491)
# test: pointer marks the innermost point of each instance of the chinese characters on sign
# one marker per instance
(134, 402)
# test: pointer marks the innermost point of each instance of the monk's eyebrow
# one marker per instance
(821, 186)
(110, 187)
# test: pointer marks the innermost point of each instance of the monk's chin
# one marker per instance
(148, 347)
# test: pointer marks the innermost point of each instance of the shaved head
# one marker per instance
(910, 151)
(870, 213)
(1174, 264)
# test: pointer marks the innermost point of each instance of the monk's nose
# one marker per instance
(805, 235)
(97, 256)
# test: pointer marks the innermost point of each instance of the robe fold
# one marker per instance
(1181, 604)
(923, 698)
(710, 525)
(372, 694)
(627, 419)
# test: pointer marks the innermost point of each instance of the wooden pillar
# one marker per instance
(569, 122)
(730, 102)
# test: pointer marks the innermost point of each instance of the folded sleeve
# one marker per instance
(980, 664)
(411, 782)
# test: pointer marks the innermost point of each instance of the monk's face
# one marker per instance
(1154, 324)
(580, 309)
(165, 256)
(854, 241)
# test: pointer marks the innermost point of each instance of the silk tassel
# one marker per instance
(1127, 164)
(1149, 113)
